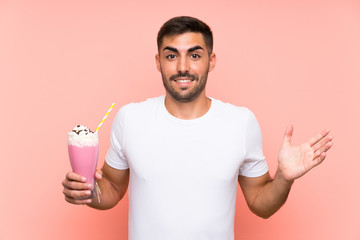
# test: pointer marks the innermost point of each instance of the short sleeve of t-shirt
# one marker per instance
(254, 164)
(115, 156)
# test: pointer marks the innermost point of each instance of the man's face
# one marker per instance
(184, 63)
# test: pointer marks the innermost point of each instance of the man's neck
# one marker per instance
(188, 110)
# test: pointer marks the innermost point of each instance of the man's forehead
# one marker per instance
(184, 41)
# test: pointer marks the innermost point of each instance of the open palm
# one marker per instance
(296, 160)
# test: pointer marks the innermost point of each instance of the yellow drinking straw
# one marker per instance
(105, 117)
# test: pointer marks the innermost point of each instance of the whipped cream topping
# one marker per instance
(82, 136)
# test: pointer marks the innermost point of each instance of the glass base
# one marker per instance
(93, 193)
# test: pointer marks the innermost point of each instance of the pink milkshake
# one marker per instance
(83, 146)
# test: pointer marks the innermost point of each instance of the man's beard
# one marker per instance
(189, 96)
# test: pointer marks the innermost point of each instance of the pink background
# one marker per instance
(64, 63)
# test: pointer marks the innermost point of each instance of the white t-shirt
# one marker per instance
(183, 173)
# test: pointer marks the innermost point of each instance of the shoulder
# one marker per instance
(238, 115)
(139, 109)
(231, 110)
(150, 102)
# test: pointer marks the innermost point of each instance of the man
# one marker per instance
(184, 153)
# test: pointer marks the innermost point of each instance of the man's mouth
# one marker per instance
(183, 80)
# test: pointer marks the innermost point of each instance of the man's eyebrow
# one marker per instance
(189, 50)
(171, 49)
(195, 48)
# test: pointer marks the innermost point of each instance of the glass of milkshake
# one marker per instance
(83, 146)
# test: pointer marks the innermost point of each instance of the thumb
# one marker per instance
(98, 174)
(288, 134)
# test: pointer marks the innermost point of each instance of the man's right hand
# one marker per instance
(76, 190)
(112, 182)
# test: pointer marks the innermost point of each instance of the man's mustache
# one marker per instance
(184, 75)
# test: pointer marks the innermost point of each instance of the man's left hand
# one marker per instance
(295, 161)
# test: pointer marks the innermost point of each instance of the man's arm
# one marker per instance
(113, 185)
(112, 182)
(265, 195)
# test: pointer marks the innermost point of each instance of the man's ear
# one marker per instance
(212, 62)
(157, 60)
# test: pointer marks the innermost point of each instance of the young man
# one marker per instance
(185, 152)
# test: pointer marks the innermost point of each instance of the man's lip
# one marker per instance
(183, 81)
(176, 79)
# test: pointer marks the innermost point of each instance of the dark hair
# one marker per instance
(184, 24)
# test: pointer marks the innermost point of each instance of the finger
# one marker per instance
(288, 134)
(75, 177)
(73, 185)
(78, 202)
(318, 160)
(76, 194)
(318, 137)
(98, 174)
(325, 140)
(323, 149)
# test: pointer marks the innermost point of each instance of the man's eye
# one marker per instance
(170, 56)
(194, 55)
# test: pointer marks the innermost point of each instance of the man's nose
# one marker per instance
(183, 65)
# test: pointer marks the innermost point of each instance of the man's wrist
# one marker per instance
(282, 178)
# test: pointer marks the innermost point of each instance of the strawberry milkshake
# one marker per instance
(83, 146)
